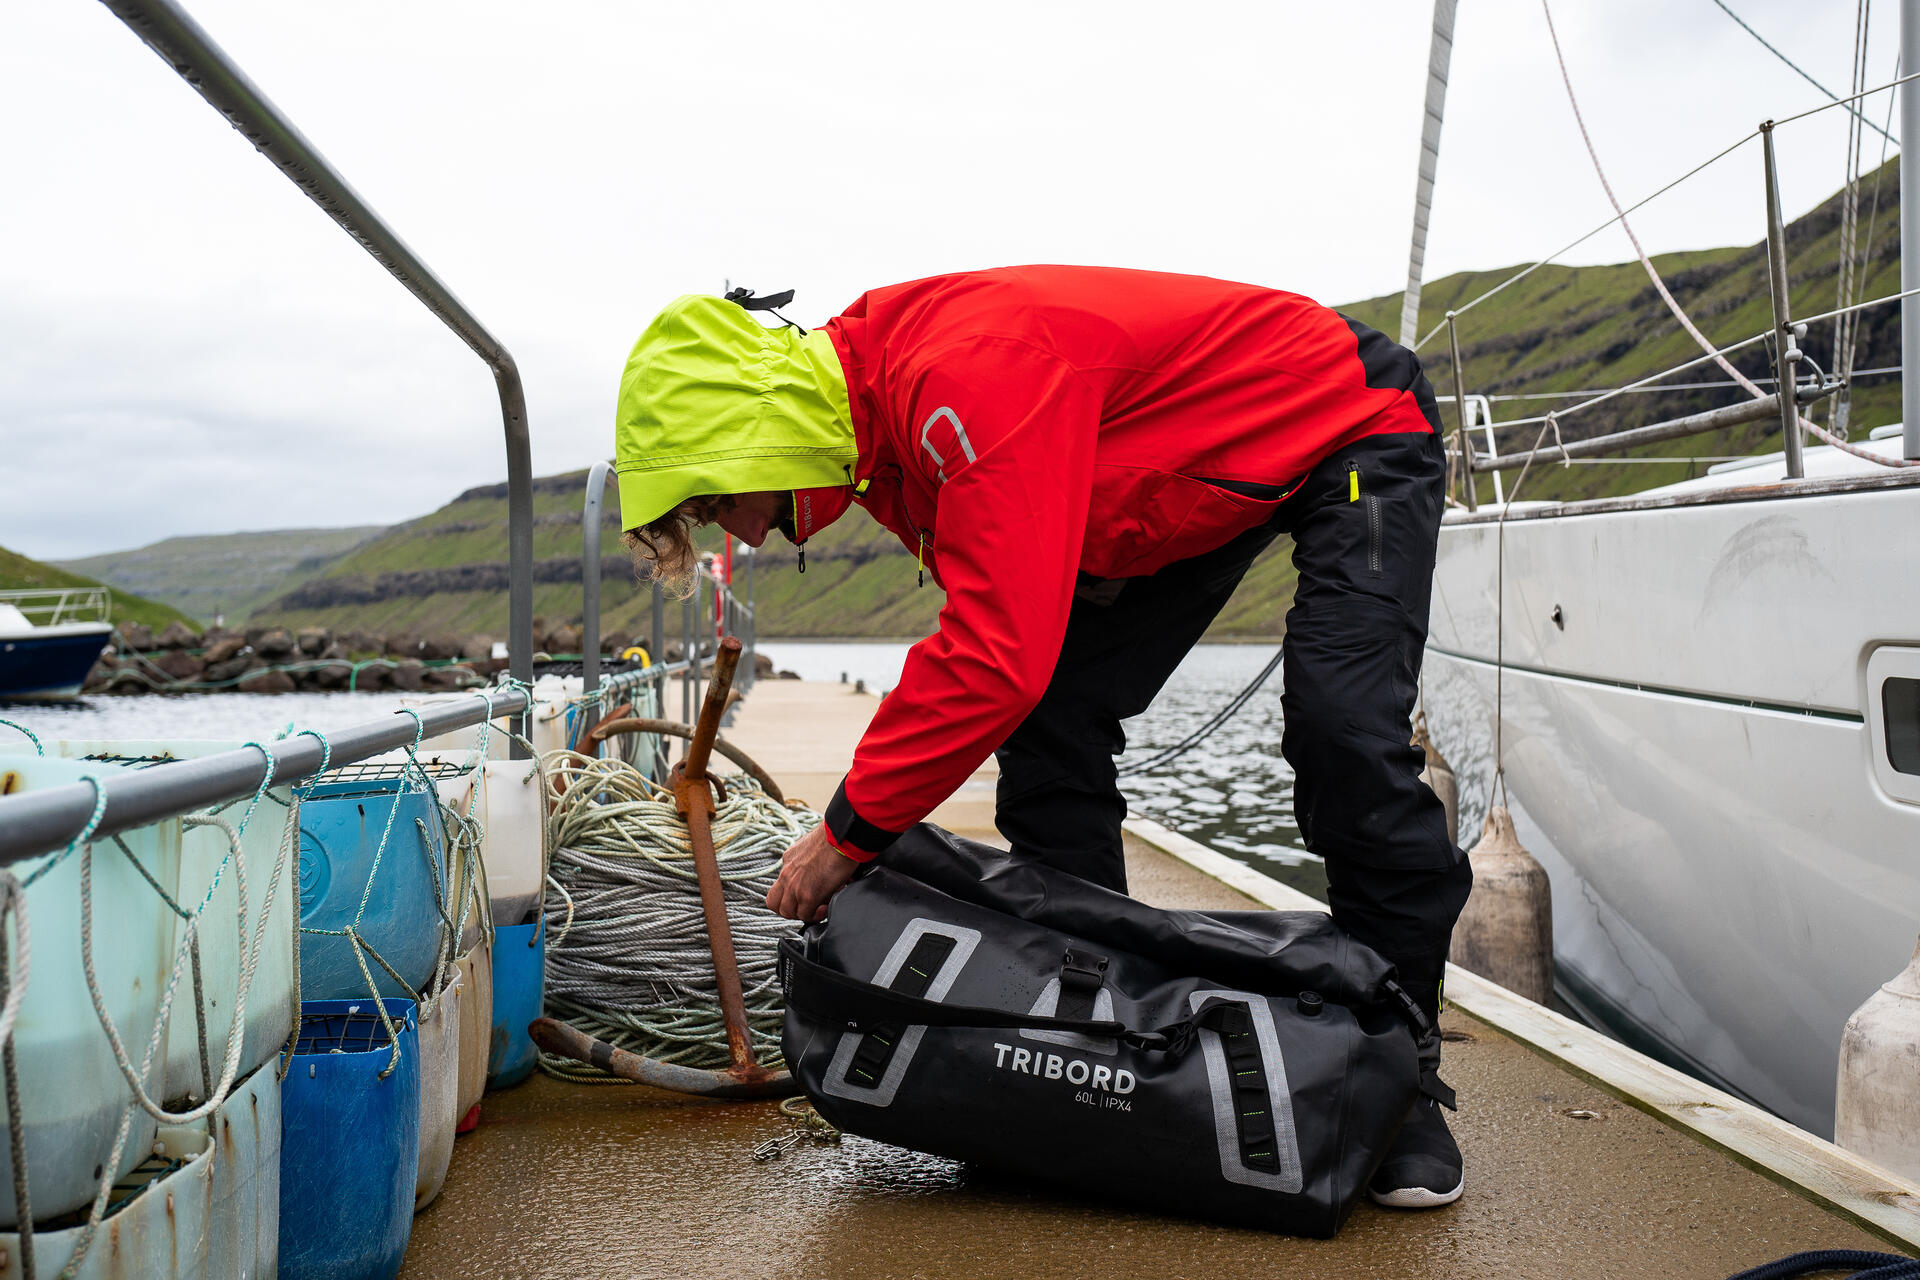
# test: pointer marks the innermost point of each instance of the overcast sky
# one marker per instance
(187, 345)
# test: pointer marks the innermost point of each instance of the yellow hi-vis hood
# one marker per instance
(714, 402)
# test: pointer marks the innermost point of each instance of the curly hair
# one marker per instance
(663, 548)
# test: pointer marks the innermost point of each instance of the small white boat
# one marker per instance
(49, 640)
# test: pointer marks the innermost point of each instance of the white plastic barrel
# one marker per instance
(476, 1026)
(217, 1217)
(71, 1090)
(440, 1109)
(269, 1010)
(513, 847)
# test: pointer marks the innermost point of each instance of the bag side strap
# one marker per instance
(1081, 976)
(875, 1050)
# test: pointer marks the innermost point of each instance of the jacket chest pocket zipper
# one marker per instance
(1370, 505)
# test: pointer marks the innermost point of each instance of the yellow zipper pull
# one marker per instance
(1353, 482)
(920, 558)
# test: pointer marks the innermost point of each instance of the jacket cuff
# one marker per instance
(852, 834)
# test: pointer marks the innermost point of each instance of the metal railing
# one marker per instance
(44, 821)
(183, 45)
(1783, 345)
(50, 607)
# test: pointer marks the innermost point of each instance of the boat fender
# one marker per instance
(1505, 934)
(1877, 1104)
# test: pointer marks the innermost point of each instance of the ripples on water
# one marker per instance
(1233, 792)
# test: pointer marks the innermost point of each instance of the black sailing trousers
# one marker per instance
(1365, 524)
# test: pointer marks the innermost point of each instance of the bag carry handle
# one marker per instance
(827, 993)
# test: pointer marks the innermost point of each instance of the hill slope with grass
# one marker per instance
(17, 573)
(1559, 329)
(225, 574)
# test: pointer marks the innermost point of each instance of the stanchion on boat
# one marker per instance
(1877, 1105)
(1506, 932)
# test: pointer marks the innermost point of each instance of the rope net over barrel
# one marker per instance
(627, 954)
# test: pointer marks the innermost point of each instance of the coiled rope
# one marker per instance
(627, 954)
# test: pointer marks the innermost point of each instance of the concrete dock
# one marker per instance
(1565, 1178)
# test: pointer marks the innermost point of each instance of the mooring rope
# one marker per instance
(627, 954)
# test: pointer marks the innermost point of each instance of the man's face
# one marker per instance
(749, 516)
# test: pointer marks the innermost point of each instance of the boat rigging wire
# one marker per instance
(1718, 156)
(1798, 70)
(1600, 172)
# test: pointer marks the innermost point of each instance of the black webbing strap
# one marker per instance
(1247, 1078)
(875, 1050)
(744, 297)
(1081, 974)
(813, 988)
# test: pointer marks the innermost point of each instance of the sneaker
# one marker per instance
(1423, 1170)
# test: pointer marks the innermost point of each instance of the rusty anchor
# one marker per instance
(693, 798)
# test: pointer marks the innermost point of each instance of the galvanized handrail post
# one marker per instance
(590, 578)
(689, 653)
(657, 652)
(185, 46)
(753, 625)
(1786, 348)
(1461, 438)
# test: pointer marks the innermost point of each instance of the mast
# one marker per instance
(1438, 58)
(1909, 231)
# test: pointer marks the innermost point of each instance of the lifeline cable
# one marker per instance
(1206, 730)
(628, 960)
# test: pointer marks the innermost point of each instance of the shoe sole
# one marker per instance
(1417, 1197)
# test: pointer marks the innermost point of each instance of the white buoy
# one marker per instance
(1439, 776)
(1877, 1105)
(1505, 934)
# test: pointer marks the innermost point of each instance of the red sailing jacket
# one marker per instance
(1020, 426)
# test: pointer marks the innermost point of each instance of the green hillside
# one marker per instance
(222, 574)
(1560, 329)
(17, 573)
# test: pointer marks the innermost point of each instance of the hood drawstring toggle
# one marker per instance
(743, 297)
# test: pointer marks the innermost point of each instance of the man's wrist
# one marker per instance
(852, 834)
(851, 855)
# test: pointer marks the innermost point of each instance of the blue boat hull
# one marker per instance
(48, 666)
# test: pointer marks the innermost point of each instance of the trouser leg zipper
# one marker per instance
(1370, 504)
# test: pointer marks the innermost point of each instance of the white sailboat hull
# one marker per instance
(1690, 752)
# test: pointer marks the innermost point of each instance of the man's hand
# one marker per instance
(811, 871)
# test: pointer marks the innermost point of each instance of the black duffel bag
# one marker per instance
(1248, 1066)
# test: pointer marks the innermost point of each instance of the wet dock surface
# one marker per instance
(1563, 1179)
(565, 1180)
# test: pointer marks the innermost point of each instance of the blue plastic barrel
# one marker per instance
(340, 828)
(350, 1143)
(519, 986)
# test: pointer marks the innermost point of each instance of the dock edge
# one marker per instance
(1874, 1198)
